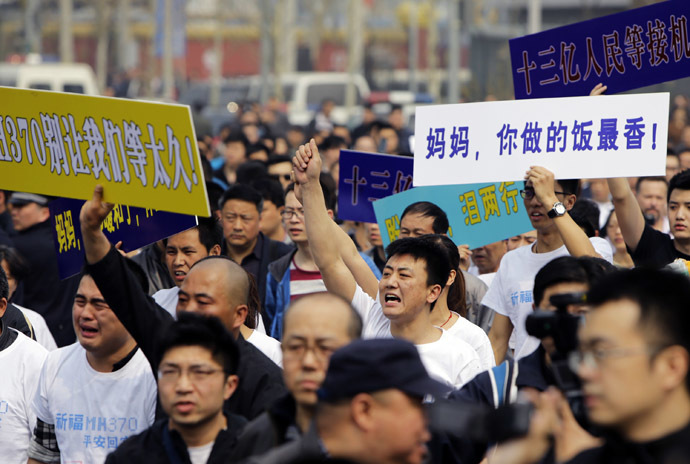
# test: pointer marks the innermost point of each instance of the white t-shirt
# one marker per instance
(449, 359)
(200, 454)
(167, 298)
(93, 412)
(41, 330)
(510, 293)
(268, 346)
(20, 364)
(476, 338)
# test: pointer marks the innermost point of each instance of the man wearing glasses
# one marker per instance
(295, 274)
(547, 202)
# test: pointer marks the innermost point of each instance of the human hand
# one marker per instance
(598, 89)
(465, 256)
(543, 182)
(94, 212)
(307, 163)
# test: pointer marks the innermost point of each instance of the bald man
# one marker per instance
(310, 336)
(215, 286)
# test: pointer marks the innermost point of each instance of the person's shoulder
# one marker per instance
(458, 348)
(253, 359)
(140, 447)
(278, 266)
(29, 348)
(472, 281)
(277, 248)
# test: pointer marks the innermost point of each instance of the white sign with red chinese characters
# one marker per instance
(574, 137)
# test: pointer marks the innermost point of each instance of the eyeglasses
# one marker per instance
(528, 194)
(594, 359)
(196, 374)
(288, 213)
(297, 351)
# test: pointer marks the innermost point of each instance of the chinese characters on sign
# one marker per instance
(478, 213)
(627, 50)
(366, 177)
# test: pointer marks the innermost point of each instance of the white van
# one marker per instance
(58, 77)
(304, 92)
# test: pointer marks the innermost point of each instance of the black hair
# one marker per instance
(4, 285)
(585, 213)
(236, 135)
(275, 159)
(250, 171)
(327, 186)
(396, 107)
(569, 186)
(242, 192)
(214, 191)
(332, 141)
(208, 332)
(456, 293)
(662, 297)
(586, 270)
(271, 190)
(428, 209)
(680, 181)
(134, 268)
(253, 148)
(603, 233)
(640, 180)
(253, 303)
(16, 264)
(210, 232)
(438, 266)
(378, 125)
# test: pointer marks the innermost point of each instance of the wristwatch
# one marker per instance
(558, 209)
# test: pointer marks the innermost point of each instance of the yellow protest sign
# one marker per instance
(145, 154)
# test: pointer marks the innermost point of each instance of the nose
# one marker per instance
(179, 259)
(183, 383)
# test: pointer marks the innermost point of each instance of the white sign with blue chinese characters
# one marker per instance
(574, 137)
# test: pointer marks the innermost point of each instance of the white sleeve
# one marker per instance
(31, 379)
(603, 247)
(469, 369)
(374, 322)
(40, 403)
(495, 297)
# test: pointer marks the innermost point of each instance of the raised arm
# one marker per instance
(628, 212)
(574, 238)
(322, 239)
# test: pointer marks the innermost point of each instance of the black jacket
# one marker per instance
(267, 431)
(260, 379)
(42, 290)
(149, 447)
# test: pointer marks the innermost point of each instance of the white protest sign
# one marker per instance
(575, 137)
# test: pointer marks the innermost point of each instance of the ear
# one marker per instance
(433, 293)
(673, 364)
(241, 312)
(330, 213)
(214, 251)
(44, 214)
(569, 201)
(3, 306)
(230, 386)
(362, 408)
(451, 277)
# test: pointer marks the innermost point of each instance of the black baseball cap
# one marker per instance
(22, 198)
(366, 366)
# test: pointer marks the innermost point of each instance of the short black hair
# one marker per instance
(208, 332)
(569, 186)
(327, 186)
(456, 293)
(566, 269)
(585, 213)
(662, 297)
(275, 159)
(251, 170)
(259, 146)
(16, 264)
(242, 192)
(640, 180)
(210, 232)
(332, 141)
(236, 135)
(214, 191)
(433, 254)
(271, 190)
(4, 285)
(680, 181)
(428, 209)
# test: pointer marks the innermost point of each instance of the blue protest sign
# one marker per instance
(478, 214)
(135, 227)
(365, 177)
(625, 51)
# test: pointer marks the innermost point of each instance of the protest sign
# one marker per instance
(478, 214)
(365, 177)
(627, 50)
(135, 227)
(145, 154)
(575, 137)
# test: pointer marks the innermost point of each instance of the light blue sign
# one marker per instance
(478, 214)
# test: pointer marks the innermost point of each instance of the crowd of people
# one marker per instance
(275, 332)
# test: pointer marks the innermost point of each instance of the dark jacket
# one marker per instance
(149, 447)
(15, 318)
(42, 290)
(260, 379)
(307, 449)
(267, 431)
